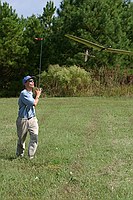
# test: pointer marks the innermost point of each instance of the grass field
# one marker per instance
(85, 151)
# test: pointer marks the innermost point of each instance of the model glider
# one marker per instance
(97, 46)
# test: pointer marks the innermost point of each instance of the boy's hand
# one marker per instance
(38, 92)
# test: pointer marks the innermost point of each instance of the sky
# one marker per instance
(29, 7)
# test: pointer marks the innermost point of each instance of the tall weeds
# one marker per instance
(75, 81)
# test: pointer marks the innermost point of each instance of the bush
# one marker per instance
(66, 81)
(75, 81)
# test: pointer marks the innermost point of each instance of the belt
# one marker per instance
(26, 118)
(30, 118)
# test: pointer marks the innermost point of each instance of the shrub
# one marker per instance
(66, 81)
(75, 81)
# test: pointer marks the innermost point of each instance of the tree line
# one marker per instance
(106, 22)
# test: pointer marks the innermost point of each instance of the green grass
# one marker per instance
(85, 151)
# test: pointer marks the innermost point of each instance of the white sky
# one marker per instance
(29, 7)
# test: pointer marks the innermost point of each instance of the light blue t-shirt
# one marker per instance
(26, 105)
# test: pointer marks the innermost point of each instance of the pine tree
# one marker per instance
(12, 50)
(95, 20)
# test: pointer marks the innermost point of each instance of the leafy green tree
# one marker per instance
(12, 49)
(19, 51)
(47, 17)
(47, 20)
(98, 21)
(127, 26)
(32, 30)
(106, 22)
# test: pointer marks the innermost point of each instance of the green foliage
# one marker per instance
(97, 21)
(102, 21)
(32, 30)
(12, 48)
(75, 81)
(47, 20)
(127, 18)
(48, 16)
(66, 81)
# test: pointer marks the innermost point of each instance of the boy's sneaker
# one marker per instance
(31, 157)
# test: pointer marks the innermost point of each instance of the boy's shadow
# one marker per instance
(10, 158)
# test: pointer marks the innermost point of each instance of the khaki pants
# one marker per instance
(23, 127)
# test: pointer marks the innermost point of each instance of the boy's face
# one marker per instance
(29, 83)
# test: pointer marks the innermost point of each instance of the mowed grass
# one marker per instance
(85, 151)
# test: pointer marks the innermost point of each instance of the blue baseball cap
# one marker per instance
(26, 78)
